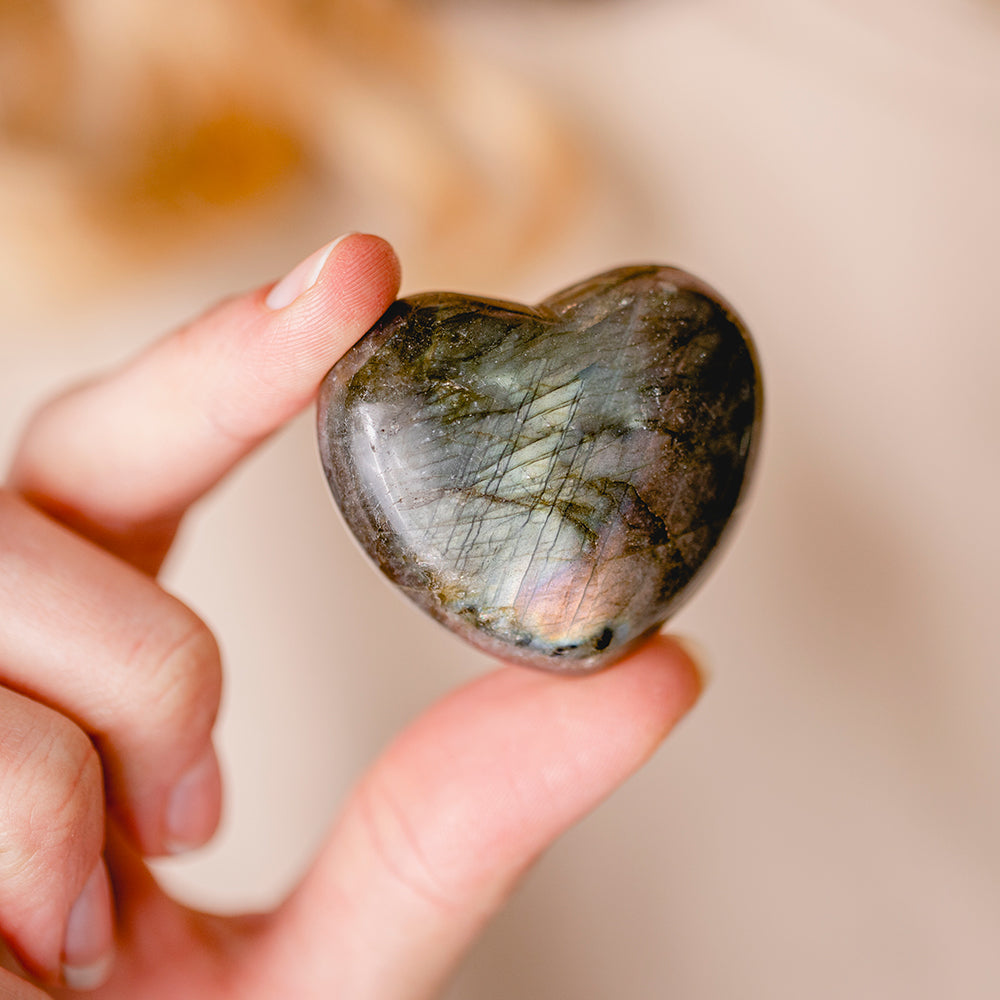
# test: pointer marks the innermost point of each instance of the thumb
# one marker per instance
(437, 834)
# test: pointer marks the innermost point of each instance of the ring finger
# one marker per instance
(51, 798)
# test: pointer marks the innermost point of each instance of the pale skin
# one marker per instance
(109, 688)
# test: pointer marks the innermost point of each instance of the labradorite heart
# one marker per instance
(547, 481)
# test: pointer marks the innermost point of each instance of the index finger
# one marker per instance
(120, 458)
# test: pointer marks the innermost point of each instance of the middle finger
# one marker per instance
(138, 671)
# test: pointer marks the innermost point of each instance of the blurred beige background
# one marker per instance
(826, 824)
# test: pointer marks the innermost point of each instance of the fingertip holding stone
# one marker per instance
(695, 651)
(301, 277)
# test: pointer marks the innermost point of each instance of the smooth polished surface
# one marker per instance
(546, 481)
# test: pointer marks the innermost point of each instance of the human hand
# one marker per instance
(109, 688)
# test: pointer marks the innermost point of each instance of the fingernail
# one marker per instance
(301, 277)
(88, 947)
(696, 652)
(193, 806)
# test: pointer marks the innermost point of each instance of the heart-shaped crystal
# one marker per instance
(547, 481)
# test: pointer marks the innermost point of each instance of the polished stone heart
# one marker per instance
(547, 481)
